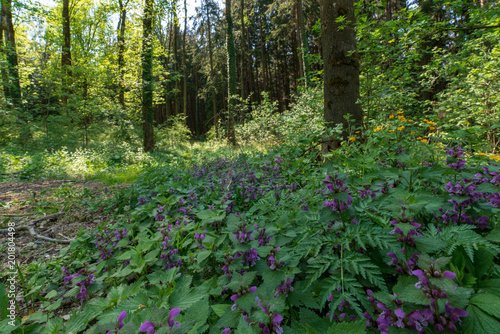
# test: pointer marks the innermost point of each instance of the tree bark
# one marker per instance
(303, 43)
(121, 53)
(243, 56)
(341, 67)
(184, 72)
(177, 101)
(212, 76)
(231, 63)
(14, 87)
(66, 53)
(147, 76)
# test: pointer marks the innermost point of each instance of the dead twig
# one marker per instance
(33, 233)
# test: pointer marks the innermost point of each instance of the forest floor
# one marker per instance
(68, 206)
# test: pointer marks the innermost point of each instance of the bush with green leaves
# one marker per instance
(403, 238)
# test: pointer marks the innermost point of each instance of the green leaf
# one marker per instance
(53, 326)
(355, 327)
(54, 306)
(51, 294)
(219, 309)
(151, 257)
(229, 319)
(492, 286)
(479, 322)
(488, 303)
(163, 276)
(198, 313)
(80, 320)
(202, 255)
(243, 327)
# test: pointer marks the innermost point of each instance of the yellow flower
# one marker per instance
(391, 130)
(352, 139)
(401, 127)
(432, 128)
(391, 117)
(495, 157)
(400, 112)
(424, 141)
(431, 123)
(413, 132)
(410, 120)
(378, 128)
(358, 131)
(481, 153)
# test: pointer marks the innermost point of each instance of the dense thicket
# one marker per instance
(80, 69)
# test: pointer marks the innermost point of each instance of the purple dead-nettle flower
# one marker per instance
(394, 261)
(147, 327)
(120, 319)
(449, 274)
(400, 317)
(171, 318)
(226, 330)
(251, 257)
(277, 319)
(284, 287)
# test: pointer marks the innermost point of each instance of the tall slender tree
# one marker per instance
(121, 52)
(184, 66)
(147, 76)
(231, 70)
(66, 53)
(212, 75)
(341, 65)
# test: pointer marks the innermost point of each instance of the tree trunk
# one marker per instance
(303, 43)
(11, 54)
(184, 72)
(263, 58)
(243, 55)
(212, 76)
(341, 67)
(121, 54)
(231, 63)
(177, 101)
(147, 76)
(66, 53)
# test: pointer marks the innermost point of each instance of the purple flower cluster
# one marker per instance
(419, 319)
(274, 324)
(242, 236)
(199, 237)
(241, 292)
(250, 257)
(284, 288)
(334, 185)
(106, 242)
(409, 237)
(454, 161)
(342, 307)
(271, 260)
(159, 211)
(84, 284)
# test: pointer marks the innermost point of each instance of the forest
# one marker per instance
(249, 166)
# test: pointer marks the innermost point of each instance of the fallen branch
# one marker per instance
(33, 233)
(47, 217)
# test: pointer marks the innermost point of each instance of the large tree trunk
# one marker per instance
(121, 53)
(5, 76)
(231, 70)
(341, 66)
(66, 53)
(14, 88)
(147, 76)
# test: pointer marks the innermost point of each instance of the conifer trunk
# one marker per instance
(66, 53)
(147, 76)
(231, 63)
(184, 72)
(121, 54)
(341, 66)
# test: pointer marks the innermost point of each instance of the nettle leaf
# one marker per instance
(244, 328)
(407, 292)
(489, 303)
(494, 236)
(161, 276)
(354, 327)
(219, 309)
(198, 313)
(487, 188)
(242, 280)
(491, 286)
(246, 302)
(80, 320)
(311, 318)
(479, 322)
(230, 319)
